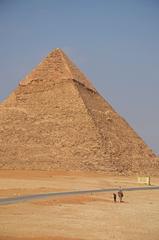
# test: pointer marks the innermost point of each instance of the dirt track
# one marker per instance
(92, 217)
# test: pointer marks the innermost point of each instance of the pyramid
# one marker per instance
(56, 119)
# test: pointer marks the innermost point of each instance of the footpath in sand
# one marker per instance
(84, 217)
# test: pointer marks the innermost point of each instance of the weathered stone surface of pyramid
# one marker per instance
(55, 119)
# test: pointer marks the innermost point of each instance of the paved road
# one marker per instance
(23, 198)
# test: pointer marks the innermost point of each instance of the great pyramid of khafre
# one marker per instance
(55, 119)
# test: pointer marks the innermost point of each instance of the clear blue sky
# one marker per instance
(116, 44)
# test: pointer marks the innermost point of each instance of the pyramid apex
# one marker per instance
(57, 49)
(55, 67)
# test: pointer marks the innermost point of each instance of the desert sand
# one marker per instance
(85, 217)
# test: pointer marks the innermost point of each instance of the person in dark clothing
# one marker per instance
(114, 197)
(120, 194)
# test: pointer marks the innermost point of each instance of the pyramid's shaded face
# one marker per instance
(55, 119)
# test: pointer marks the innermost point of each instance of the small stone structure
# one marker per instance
(144, 180)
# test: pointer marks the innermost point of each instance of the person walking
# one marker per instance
(114, 197)
(120, 194)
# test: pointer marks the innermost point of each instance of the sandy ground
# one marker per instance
(92, 217)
